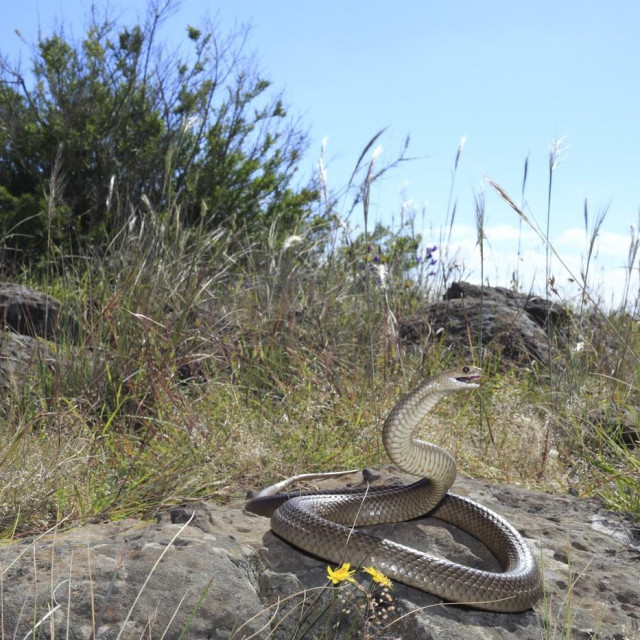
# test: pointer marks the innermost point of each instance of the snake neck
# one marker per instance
(410, 454)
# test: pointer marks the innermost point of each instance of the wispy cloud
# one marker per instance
(518, 255)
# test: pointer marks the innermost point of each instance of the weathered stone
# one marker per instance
(238, 579)
(26, 363)
(27, 319)
(538, 309)
(98, 573)
(21, 356)
(33, 313)
(511, 324)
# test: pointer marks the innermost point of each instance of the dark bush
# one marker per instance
(103, 125)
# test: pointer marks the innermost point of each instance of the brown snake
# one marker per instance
(321, 522)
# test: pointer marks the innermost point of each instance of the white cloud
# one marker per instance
(505, 232)
(518, 255)
(572, 237)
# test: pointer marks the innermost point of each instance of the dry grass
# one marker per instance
(210, 364)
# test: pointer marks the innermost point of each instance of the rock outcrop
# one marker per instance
(221, 573)
(28, 319)
(510, 324)
(515, 325)
(35, 314)
(21, 355)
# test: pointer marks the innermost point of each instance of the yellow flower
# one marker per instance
(378, 577)
(340, 574)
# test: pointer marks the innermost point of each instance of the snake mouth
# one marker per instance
(469, 377)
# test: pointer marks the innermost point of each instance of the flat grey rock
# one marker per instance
(227, 576)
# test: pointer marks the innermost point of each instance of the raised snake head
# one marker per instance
(460, 378)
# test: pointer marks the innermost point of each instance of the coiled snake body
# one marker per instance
(322, 523)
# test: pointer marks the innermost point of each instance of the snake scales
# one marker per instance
(322, 522)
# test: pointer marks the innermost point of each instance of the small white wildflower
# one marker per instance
(408, 207)
(461, 144)
(376, 153)
(558, 147)
(322, 171)
(579, 347)
(381, 273)
(112, 183)
(291, 241)
(190, 123)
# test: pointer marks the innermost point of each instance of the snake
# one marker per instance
(323, 523)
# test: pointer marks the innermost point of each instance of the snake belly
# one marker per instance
(323, 523)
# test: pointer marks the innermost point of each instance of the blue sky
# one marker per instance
(510, 77)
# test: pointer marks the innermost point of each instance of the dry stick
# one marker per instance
(35, 588)
(480, 219)
(22, 609)
(364, 153)
(441, 604)
(53, 591)
(174, 614)
(355, 520)
(45, 617)
(553, 163)
(278, 487)
(451, 212)
(524, 184)
(367, 283)
(52, 610)
(276, 605)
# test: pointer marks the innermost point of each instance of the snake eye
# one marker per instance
(468, 375)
